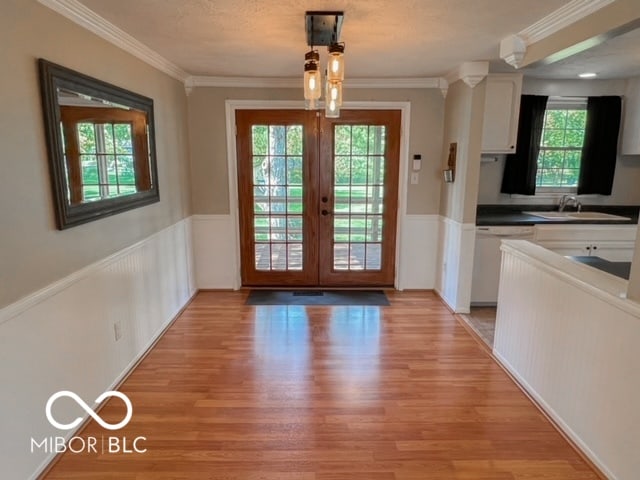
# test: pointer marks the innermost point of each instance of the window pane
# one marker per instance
(342, 170)
(260, 139)
(359, 139)
(294, 140)
(376, 140)
(553, 138)
(572, 159)
(570, 177)
(561, 148)
(576, 119)
(89, 169)
(294, 170)
(86, 138)
(574, 138)
(553, 159)
(126, 173)
(277, 137)
(555, 119)
(342, 139)
(359, 170)
(122, 132)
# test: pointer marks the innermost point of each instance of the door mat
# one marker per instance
(315, 297)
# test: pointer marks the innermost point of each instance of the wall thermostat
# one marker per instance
(417, 162)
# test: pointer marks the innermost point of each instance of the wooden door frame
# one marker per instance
(231, 106)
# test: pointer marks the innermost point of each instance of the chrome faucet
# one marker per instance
(566, 200)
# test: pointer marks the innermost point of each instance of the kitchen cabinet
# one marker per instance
(501, 113)
(615, 243)
(631, 118)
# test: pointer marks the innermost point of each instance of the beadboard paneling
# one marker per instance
(62, 337)
(567, 334)
(456, 244)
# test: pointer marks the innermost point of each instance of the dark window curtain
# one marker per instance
(600, 146)
(521, 167)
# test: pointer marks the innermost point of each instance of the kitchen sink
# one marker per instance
(574, 216)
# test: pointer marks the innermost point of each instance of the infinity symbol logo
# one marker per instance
(87, 408)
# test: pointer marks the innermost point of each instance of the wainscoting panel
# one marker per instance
(64, 337)
(569, 336)
(456, 243)
(215, 251)
(418, 252)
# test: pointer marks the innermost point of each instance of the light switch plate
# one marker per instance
(414, 178)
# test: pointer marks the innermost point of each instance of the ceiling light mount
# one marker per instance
(323, 28)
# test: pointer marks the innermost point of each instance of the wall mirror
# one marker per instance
(101, 146)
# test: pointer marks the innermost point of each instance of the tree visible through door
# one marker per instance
(318, 197)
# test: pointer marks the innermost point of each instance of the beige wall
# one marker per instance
(627, 176)
(32, 252)
(207, 133)
(464, 112)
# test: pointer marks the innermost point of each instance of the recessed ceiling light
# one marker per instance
(587, 75)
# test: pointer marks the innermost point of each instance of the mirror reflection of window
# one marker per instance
(105, 149)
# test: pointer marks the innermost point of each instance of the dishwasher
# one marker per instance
(487, 259)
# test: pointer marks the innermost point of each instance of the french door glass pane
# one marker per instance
(277, 196)
(359, 166)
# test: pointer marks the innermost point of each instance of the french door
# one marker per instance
(318, 197)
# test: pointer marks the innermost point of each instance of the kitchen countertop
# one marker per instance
(619, 269)
(506, 215)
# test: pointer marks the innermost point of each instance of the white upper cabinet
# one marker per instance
(631, 118)
(501, 111)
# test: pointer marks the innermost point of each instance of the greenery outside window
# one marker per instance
(561, 145)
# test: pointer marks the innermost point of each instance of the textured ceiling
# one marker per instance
(265, 38)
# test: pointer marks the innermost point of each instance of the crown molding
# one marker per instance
(88, 19)
(561, 18)
(293, 82)
(470, 73)
(513, 50)
(514, 47)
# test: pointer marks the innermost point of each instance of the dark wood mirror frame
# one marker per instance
(54, 77)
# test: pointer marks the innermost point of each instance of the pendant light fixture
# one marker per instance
(323, 28)
(312, 80)
(335, 65)
(333, 98)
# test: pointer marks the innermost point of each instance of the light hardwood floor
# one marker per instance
(325, 393)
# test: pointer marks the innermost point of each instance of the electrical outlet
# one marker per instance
(117, 330)
(414, 178)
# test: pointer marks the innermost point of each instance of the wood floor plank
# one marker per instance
(403, 392)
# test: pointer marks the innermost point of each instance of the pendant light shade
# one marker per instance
(335, 65)
(331, 109)
(312, 80)
(333, 92)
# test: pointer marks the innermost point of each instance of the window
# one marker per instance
(561, 145)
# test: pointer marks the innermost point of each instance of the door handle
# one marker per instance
(325, 212)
